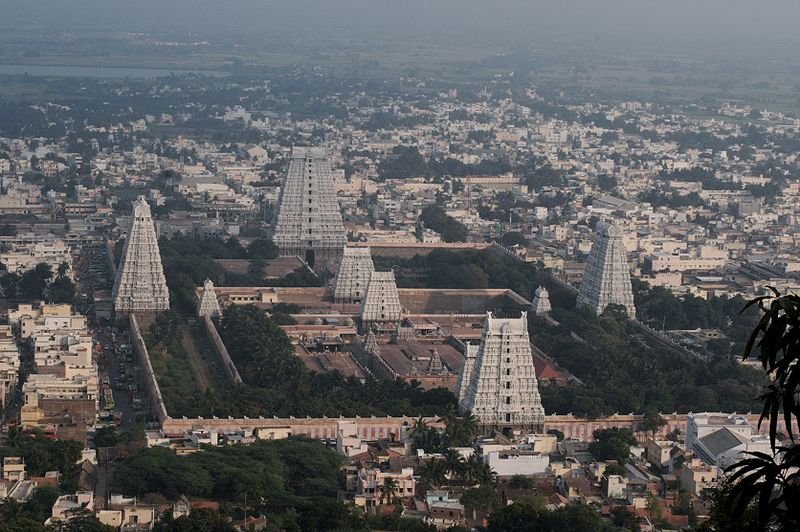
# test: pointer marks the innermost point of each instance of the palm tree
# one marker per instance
(62, 270)
(15, 437)
(435, 472)
(454, 463)
(450, 414)
(470, 424)
(486, 476)
(389, 490)
(420, 424)
(472, 468)
(11, 510)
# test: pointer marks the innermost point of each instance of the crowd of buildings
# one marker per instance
(597, 200)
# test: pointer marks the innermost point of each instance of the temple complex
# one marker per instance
(541, 302)
(353, 275)
(140, 284)
(208, 304)
(308, 221)
(503, 391)
(381, 304)
(607, 277)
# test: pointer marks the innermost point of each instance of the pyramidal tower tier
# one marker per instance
(462, 384)
(503, 391)
(308, 222)
(381, 303)
(353, 275)
(140, 284)
(208, 305)
(607, 278)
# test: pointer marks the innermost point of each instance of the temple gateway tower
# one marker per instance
(308, 222)
(208, 305)
(353, 275)
(381, 303)
(140, 284)
(503, 392)
(607, 278)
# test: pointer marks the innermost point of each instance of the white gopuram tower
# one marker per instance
(208, 305)
(541, 302)
(308, 221)
(607, 278)
(381, 303)
(353, 275)
(140, 285)
(503, 391)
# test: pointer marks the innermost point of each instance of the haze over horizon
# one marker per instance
(680, 26)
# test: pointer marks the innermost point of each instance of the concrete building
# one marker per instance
(607, 277)
(503, 392)
(66, 504)
(308, 222)
(125, 514)
(353, 275)
(369, 482)
(518, 462)
(13, 468)
(48, 250)
(695, 476)
(723, 439)
(140, 284)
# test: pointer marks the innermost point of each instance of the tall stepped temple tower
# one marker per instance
(208, 304)
(503, 392)
(308, 221)
(607, 278)
(140, 285)
(381, 303)
(353, 275)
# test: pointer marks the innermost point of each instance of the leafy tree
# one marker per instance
(256, 267)
(33, 282)
(652, 422)
(10, 284)
(266, 249)
(612, 444)
(434, 217)
(654, 507)
(521, 482)
(606, 182)
(615, 469)
(483, 498)
(529, 515)
(770, 481)
(62, 289)
(403, 163)
(625, 519)
(106, 437)
(514, 238)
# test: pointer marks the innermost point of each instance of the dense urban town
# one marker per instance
(301, 301)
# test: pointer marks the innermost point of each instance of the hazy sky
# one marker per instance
(681, 23)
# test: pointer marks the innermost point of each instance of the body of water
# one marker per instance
(100, 72)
